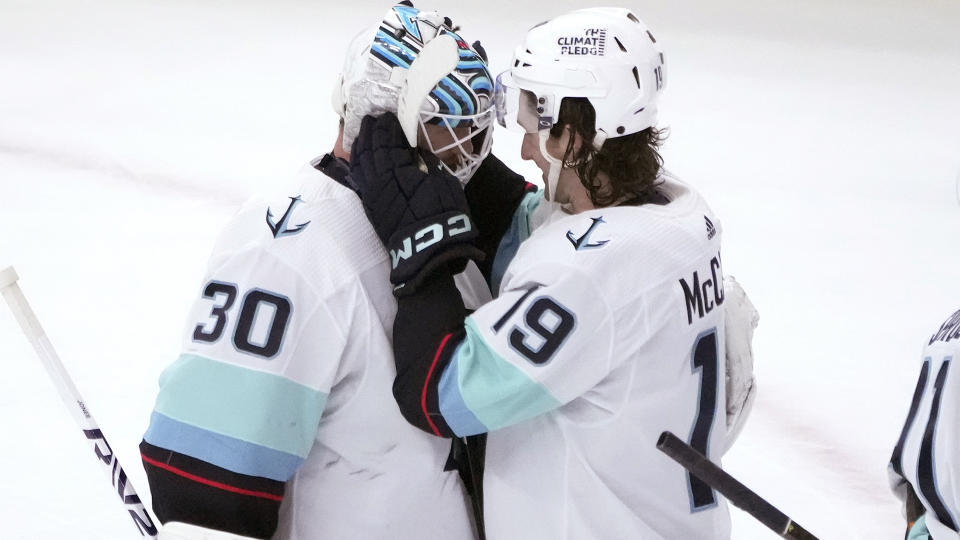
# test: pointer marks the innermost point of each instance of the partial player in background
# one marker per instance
(608, 325)
(925, 467)
(276, 420)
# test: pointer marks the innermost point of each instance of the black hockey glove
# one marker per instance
(494, 193)
(417, 208)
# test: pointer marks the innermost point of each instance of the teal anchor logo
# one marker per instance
(280, 228)
(584, 241)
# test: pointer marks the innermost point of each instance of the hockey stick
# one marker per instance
(71, 397)
(738, 494)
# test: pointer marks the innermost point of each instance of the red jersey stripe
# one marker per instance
(426, 385)
(211, 483)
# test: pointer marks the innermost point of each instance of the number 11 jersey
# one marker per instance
(927, 455)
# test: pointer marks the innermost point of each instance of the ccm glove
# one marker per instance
(417, 208)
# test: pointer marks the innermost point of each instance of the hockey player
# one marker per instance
(276, 420)
(608, 327)
(924, 471)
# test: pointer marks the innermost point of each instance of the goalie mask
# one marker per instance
(447, 99)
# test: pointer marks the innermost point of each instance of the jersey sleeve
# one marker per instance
(520, 227)
(536, 347)
(238, 411)
(497, 197)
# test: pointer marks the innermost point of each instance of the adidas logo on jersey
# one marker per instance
(711, 230)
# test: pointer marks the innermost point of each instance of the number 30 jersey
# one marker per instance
(608, 330)
(278, 412)
(927, 455)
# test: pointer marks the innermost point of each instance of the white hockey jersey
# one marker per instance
(286, 374)
(927, 455)
(607, 331)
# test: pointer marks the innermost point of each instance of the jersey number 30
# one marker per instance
(252, 321)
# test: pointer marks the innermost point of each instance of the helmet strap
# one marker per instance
(599, 139)
(556, 166)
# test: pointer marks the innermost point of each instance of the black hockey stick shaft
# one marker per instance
(740, 495)
(475, 454)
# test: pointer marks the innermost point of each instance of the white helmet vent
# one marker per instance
(633, 18)
(636, 75)
(653, 39)
(622, 48)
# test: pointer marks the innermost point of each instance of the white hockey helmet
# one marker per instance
(451, 87)
(606, 55)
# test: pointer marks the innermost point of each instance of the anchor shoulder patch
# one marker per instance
(583, 242)
(281, 228)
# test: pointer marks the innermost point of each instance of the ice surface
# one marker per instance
(824, 135)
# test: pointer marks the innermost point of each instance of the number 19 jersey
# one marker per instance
(607, 331)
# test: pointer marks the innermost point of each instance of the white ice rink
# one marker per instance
(826, 135)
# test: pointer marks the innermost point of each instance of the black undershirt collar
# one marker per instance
(337, 169)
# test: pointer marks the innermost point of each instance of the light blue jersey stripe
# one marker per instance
(455, 412)
(919, 530)
(256, 407)
(498, 393)
(518, 232)
(225, 452)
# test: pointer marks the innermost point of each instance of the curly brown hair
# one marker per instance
(632, 162)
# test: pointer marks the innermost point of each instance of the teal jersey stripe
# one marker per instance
(919, 530)
(518, 232)
(455, 412)
(224, 452)
(498, 393)
(260, 408)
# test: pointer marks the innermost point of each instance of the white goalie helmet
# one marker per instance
(415, 65)
(606, 55)
(448, 99)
